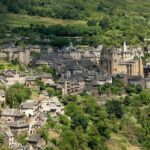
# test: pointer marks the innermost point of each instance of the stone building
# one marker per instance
(30, 82)
(18, 127)
(34, 48)
(22, 54)
(70, 86)
(2, 96)
(122, 61)
(52, 105)
(19, 53)
(9, 139)
(29, 107)
(46, 78)
(11, 77)
(147, 70)
(9, 115)
(147, 83)
(36, 142)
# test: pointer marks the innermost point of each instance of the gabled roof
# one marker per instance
(18, 124)
(11, 73)
(12, 112)
(29, 104)
(34, 138)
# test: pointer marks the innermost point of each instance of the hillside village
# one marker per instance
(77, 70)
(74, 75)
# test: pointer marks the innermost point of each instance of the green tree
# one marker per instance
(92, 22)
(69, 98)
(41, 84)
(82, 142)
(130, 89)
(64, 120)
(105, 23)
(145, 97)
(16, 94)
(95, 141)
(127, 100)
(14, 62)
(80, 120)
(114, 107)
(22, 138)
(1, 139)
(51, 91)
(68, 140)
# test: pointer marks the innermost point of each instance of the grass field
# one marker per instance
(7, 65)
(25, 20)
(119, 142)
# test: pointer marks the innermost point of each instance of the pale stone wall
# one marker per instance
(116, 61)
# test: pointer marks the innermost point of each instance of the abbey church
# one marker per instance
(124, 60)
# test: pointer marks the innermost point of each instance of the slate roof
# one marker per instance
(18, 124)
(34, 138)
(29, 104)
(9, 133)
(12, 112)
(11, 73)
(44, 75)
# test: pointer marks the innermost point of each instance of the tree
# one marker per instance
(82, 138)
(130, 88)
(92, 22)
(1, 139)
(68, 140)
(13, 8)
(69, 98)
(15, 62)
(72, 109)
(80, 120)
(3, 8)
(22, 138)
(51, 91)
(114, 107)
(41, 84)
(145, 97)
(48, 69)
(95, 140)
(64, 120)
(127, 100)
(139, 88)
(16, 94)
(104, 23)
(103, 129)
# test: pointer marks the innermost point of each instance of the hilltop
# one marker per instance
(77, 9)
(109, 22)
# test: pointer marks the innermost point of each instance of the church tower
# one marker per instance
(124, 47)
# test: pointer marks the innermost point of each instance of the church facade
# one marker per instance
(125, 60)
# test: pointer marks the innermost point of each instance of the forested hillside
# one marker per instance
(77, 9)
(113, 116)
(113, 21)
